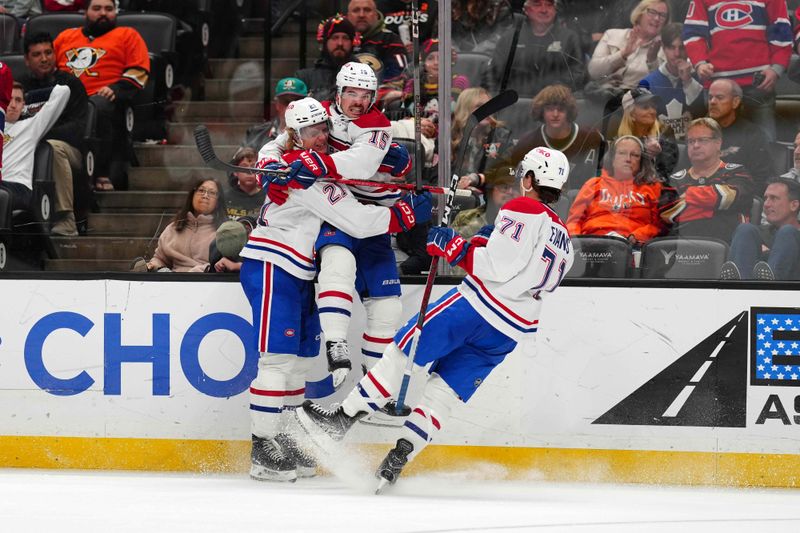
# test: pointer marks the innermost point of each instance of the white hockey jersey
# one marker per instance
(285, 234)
(526, 257)
(357, 148)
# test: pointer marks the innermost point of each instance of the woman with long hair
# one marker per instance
(624, 200)
(183, 246)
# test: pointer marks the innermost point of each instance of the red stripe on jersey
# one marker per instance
(372, 119)
(430, 314)
(337, 145)
(379, 340)
(378, 386)
(501, 306)
(530, 206)
(336, 294)
(266, 301)
(262, 392)
(280, 245)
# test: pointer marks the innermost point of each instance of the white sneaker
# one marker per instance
(66, 226)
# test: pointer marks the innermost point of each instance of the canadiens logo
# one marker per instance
(82, 60)
(289, 332)
(734, 15)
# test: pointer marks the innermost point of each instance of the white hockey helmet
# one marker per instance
(359, 75)
(305, 112)
(550, 167)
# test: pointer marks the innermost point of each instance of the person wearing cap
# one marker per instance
(546, 53)
(286, 91)
(379, 47)
(681, 95)
(640, 119)
(337, 38)
(711, 197)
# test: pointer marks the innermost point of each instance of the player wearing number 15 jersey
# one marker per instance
(511, 267)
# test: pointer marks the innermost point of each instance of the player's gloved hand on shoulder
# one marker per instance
(445, 242)
(482, 236)
(309, 166)
(275, 171)
(411, 210)
(397, 161)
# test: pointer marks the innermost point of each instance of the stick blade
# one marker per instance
(498, 103)
(202, 138)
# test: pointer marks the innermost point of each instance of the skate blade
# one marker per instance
(259, 473)
(383, 419)
(382, 484)
(306, 471)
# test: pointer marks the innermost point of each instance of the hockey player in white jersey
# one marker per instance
(511, 267)
(362, 147)
(278, 267)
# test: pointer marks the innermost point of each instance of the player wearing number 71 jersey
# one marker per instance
(511, 267)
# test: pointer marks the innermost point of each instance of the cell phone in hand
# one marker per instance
(758, 79)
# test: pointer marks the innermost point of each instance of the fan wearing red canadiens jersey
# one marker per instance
(277, 275)
(512, 266)
(362, 147)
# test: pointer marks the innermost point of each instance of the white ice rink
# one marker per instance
(79, 501)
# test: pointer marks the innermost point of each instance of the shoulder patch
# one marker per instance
(732, 166)
(678, 175)
(373, 119)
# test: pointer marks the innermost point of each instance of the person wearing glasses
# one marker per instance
(624, 56)
(712, 197)
(746, 42)
(183, 246)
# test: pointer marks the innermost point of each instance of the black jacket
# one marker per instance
(71, 126)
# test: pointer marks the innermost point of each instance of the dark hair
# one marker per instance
(555, 95)
(670, 32)
(17, 85)
(547, 195)
(219, 213)
(89, 4)
(792, 187)
(37, 38)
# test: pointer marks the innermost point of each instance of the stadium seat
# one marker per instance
(756, 210)
(787, 117)
(782, 156)
(16, 63)
(518, 118)
(40, 210)
(683, 157)
(472, 65)
(598, 256)
(786, 83)
(9, 34)
(683, 258)
(53, 23)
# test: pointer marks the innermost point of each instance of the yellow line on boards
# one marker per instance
(473, 462)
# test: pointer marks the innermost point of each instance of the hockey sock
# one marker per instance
(269, 392)
(378, 385)
(337, 278)
(295, 382)
(428, 417)
(383, 318)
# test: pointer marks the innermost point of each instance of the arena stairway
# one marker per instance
(126, 224)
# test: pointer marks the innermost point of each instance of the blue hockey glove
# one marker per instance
(422, 203)
(482, 236)
(445, 242)
(397, 161)
(411, 210)
(309, 166)
(270, 166)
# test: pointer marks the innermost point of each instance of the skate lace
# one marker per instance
(273, 450)
(340, 351)
(322, 411)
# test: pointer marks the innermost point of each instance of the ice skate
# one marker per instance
(322, 424)
(269, 463)
(305, 464)
(393, 464)
(338, 354)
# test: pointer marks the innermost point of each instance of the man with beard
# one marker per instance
(336, 37)
(113, 65)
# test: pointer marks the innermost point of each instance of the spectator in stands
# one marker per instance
(478, 24)
(499, 190)
(184, 244)
(429, 84)
(546, 53)
(114, 65)
(794, 172)
(489, 140)
(680, 94)
(772, 250)
(712, 196)
(20, 140)
(64, 5)
(379, 47)
(243, 196)
(6, 80)
(286, 91)
(624, 200)
(66, 136)
(743, 142)
(557, 110)
(624, 56)
(640, 119)
(397, 18)
(751, 48)
(21, 8)
(336, 36)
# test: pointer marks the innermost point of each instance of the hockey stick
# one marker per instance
(499, 102)
(418, 158)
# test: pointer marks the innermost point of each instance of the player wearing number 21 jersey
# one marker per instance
(511, 267)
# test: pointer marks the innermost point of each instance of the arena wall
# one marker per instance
(678, 384)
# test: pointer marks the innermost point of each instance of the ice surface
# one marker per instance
(87, 501)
